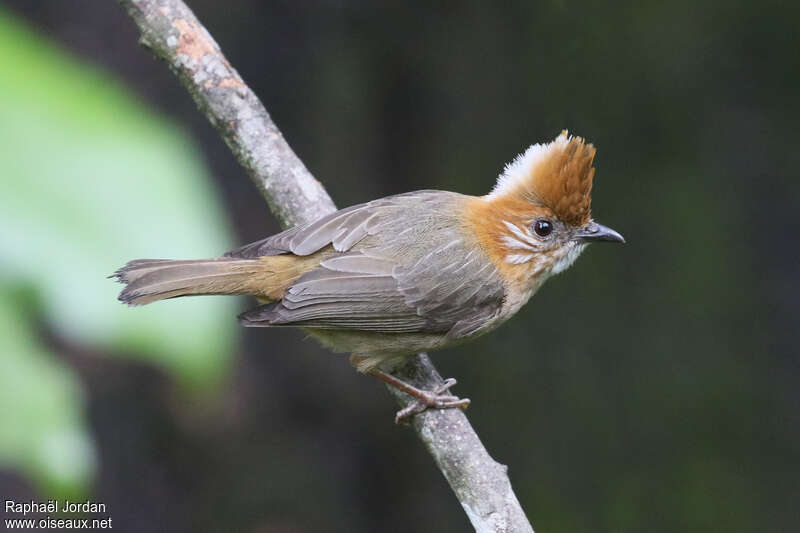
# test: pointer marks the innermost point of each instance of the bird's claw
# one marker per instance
(438, 398)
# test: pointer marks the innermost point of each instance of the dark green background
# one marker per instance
(652, 387)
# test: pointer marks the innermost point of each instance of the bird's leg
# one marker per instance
(439, 398)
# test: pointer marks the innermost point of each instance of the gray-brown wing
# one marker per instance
(342, 229)
(403, 266)
(449, 290)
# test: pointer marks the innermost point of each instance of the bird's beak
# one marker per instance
(594, 232)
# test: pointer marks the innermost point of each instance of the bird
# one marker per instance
(408, 273)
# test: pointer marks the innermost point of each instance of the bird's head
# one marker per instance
(537, 219)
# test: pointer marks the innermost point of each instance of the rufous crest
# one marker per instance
(557, 175)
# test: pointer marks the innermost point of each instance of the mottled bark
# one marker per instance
(481, 484)
(172, 32)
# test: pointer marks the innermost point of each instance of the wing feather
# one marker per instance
(382, 279)
(378, 299)
(342, 229)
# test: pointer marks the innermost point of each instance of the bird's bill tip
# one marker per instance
(594, 232)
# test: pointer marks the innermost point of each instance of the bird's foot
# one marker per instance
(439, 398)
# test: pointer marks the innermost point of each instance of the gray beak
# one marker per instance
(594, 232)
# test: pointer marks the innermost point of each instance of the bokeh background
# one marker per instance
(652, 387)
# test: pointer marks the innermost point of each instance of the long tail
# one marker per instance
(149, 280)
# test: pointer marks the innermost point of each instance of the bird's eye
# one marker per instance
(543, 227)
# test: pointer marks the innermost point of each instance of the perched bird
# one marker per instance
(408, 273)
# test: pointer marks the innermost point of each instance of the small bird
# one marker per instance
(407, 273)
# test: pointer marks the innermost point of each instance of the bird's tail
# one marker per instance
(149, 280)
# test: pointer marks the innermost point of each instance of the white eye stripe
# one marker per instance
(523, 235)
(516, 259)
(514, 244)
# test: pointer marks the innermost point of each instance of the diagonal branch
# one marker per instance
(172, 32)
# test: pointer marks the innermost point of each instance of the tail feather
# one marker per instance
(149, 280)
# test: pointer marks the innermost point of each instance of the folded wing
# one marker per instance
(418, 275)
(342, 229)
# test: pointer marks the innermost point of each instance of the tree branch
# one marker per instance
(172, 32)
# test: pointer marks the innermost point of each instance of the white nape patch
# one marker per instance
(524, 165)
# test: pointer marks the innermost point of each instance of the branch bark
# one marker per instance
(172, 32)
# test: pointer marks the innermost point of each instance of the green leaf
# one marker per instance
(89, 179)
(42, 431)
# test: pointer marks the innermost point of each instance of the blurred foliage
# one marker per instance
(41, 428)
(89, 179)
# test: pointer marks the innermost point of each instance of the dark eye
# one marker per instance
(543, 227)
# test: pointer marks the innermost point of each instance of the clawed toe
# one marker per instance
(435, 399)
(445, 387)
(438, 398)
